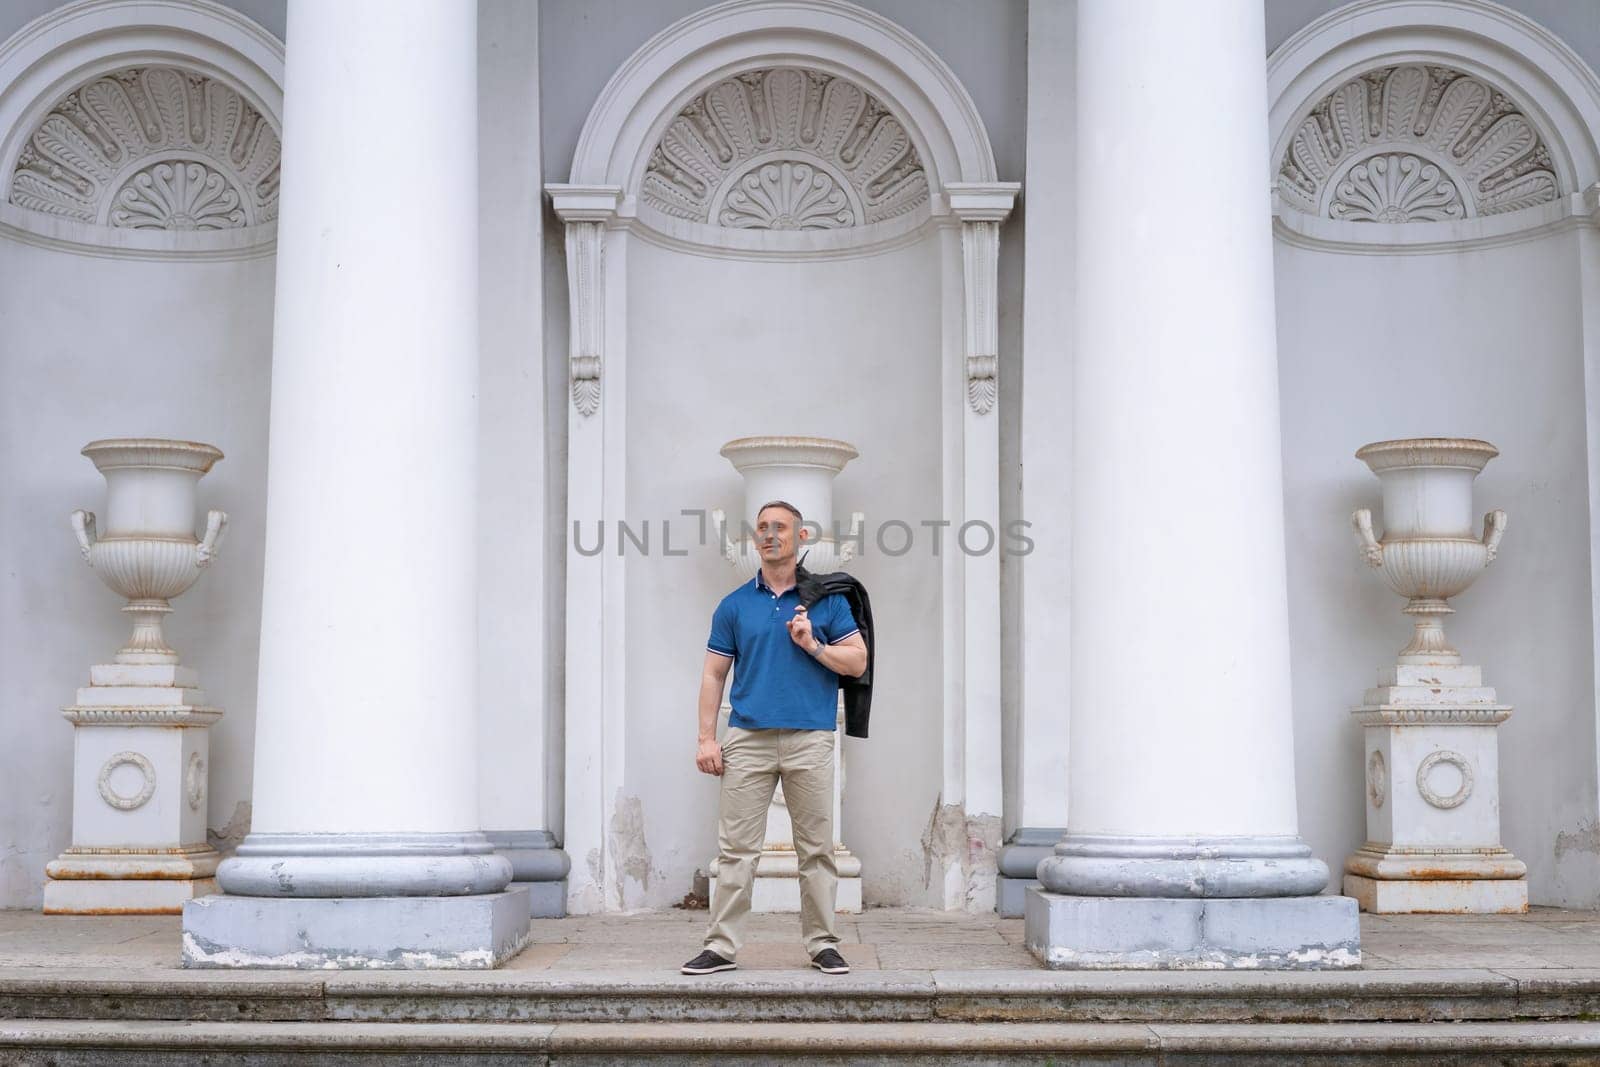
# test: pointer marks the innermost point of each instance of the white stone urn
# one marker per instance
(1429, 551)
(141, 747)
(147, 550)
(1430, 728)
(800, 470)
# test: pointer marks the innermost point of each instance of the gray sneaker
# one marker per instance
(707, 962)
(828, 961)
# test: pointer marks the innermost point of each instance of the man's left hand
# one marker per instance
(800, 631)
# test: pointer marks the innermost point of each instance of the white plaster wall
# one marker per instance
(1481, 344)
(719, 349)
(98, 347)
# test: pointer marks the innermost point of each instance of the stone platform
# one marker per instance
(927, 987)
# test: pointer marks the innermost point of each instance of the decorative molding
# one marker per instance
(154, 147)
(1553, 88)
(982, 383)
(1574, 212)
(980, 250)
(120, 801)
(981, 208)
(785, 148)
(586, 272)
(1377, 779)
(47, 66)
(149, 715)
(1416, 143)
(586, 210)
(102, 242)
(1454, 759)
(787, 246)
(683, 60)
(194, 781)
(137, 850)
(1384, 848)
(1437, 715)
(1396, 188)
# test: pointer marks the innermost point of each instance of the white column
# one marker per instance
(366, 757)
(1182, 847)
(1044, 575)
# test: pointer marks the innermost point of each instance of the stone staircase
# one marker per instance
(1389, 1016)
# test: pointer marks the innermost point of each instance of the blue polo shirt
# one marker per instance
(776, 684)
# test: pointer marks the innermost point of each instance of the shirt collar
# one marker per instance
(761, 582)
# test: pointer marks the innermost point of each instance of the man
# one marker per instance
(787, 661)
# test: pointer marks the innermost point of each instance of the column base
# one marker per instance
(777, 883)
(1218, 933)
(133, 896)
(364, 865)
(1018, 863)
(1439, 896)
(537, 864)
(356, 933)
(89, 881)
(1011, 896)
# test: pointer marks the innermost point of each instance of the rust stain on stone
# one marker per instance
(114, 911)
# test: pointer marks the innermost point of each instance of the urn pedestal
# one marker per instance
(1430, 726)
(800, 470)
(141, 743)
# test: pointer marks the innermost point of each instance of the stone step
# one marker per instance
(802, 997)
(167, 1044)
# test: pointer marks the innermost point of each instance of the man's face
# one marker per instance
(778, 535)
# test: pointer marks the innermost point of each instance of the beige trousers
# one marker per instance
(753, 761)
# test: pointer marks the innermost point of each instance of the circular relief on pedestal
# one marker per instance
(1377, 779)
(194, 781)
(1454, 759)
(124, 801)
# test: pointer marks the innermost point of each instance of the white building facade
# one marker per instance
(1104, 296)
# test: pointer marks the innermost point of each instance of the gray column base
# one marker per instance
(1011, 895)
(1155, 933)
(364, 865)
(1018, 863)
(356, 933)
(1107, 865)
(538, 865)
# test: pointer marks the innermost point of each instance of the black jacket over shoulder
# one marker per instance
(857, 691)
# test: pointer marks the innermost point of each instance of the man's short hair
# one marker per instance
(785, 505)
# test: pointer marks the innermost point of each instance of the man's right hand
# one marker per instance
(709, 757)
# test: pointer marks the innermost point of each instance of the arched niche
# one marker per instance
(141, 130)
(1521, 160)
(782, 217)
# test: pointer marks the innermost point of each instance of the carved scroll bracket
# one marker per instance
(586, 209)
(981, 207)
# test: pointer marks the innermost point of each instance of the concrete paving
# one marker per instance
(879, 939)
(648, 946)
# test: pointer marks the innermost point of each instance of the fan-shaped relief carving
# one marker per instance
(787, 195)
(785, 149)
(1416, 143)
(152, 148)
